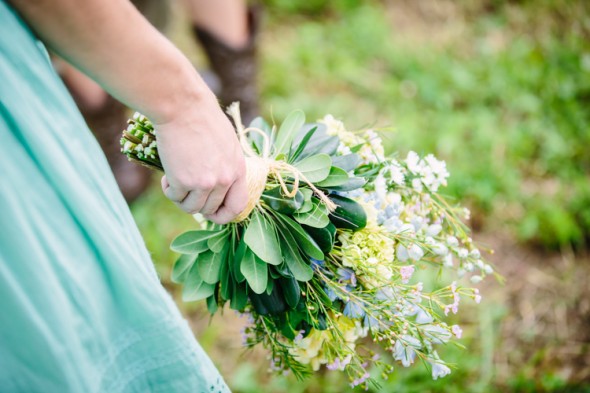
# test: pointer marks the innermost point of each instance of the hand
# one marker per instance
(204, 163)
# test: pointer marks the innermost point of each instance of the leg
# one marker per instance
(227, 31)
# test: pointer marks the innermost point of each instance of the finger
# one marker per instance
(215, 199)
(194, 201)
(175, 194)
(234, 203)
(164, 182)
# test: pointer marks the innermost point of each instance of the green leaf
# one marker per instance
(275, 199)
(212, 304)
(337, 177)
(291, 291)
(315, 168)
(261, 238)
(194, 286)
(237, 260)
(192, 242)
(302, 238)
(255, 137)
(289, 128)
(324, 237)
(217, 242)
(317, 217)
(270, 284)
(348, 162)
(255, 270)
(209, 264)
(320, 142)
(225, 279)
(301, 146)
(307, 204)
(182, 266)
(352, 184)
(293, 258)
(239, 296)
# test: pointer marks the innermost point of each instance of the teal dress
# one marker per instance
(81, 308)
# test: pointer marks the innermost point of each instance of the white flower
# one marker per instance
(439, 370)
(402, 253)
(423, 317)
(403, 350)
(448, 260)
(433, 229)
(415, 252)
(476, 279)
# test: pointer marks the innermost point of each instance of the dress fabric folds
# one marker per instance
(81, 307)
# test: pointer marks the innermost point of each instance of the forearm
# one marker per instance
(111, 42)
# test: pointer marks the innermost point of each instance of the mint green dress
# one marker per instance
(81, 308)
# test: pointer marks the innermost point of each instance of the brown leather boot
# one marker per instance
(107, 123)
(236, 68)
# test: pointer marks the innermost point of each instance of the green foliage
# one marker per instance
(505, 104)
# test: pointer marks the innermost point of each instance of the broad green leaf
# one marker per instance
(307, 204)
(255, 270)
(255, 137)
(237, 261)
(212, 304)
(303, 240)
(293, 258)
(324, 237)
(209, 264)
(337, 177)
(348, 162)
(315, 168)
(182, 267)
(275, 199)
(317, 217)
(261, 238)
(320, 142)
(217, 242)
(301, 145)
(225, 280)
(270, 285)
(291, 291)
(194, 286)
(239, 297)
(192, 242)
(353, 183)
(289, 128)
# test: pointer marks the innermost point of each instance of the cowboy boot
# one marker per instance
(235, 68)
(106, 119)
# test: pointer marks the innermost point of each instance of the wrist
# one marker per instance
(184, 93)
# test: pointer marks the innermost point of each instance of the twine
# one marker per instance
(258, 168)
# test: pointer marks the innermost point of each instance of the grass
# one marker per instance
(501, 91)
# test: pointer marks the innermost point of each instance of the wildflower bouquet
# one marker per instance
(322, 260)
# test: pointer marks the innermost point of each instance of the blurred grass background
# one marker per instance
(501, 91)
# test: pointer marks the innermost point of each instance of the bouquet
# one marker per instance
(323, 259)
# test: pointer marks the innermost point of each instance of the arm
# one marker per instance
(112, 43)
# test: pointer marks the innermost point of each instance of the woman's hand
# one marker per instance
(122, 52)
(204, 163)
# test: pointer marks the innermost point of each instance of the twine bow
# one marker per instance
(258, 167)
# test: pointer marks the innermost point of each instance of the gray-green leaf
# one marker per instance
(317, 217)
(255, 270)
(182, 266)
(261, 238)
(195, 288)
(295, 262)
(289, 128)
(315, 168)
(192, 242)
(209, 265)
(336, 177)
